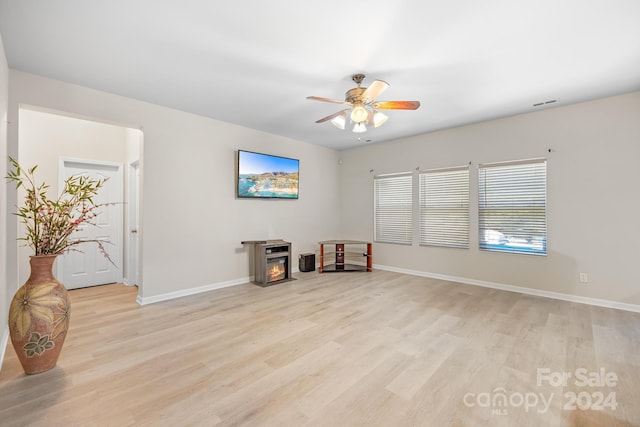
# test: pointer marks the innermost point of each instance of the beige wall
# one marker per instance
(192, 223)
(5, 292)
(593, 197)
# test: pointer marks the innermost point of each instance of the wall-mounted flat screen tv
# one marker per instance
(266, 176)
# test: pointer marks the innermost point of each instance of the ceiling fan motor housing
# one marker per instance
(355, 94)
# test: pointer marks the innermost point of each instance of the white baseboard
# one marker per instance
(198, 290)
(519, 289)
(501, 286)
(3, 345)
(191, 291)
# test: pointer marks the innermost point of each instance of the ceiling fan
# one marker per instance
(363, 106)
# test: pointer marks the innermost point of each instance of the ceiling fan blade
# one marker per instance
(375, 89)
(319, 98)
(325, 119)
(396, 105)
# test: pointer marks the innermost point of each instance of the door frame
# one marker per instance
(132, 255)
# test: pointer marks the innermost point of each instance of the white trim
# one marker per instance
(504, 287)
(519, 289)
(63, 160)
(394, 174)
(513, 162)
(3, 345)
(192, 291)
(447, 169)
(133, 210)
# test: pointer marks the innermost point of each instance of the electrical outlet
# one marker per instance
(584, 278)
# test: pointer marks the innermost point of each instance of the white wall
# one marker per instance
(44, 137)
(593, 197)
(6, 291)
(192, 223)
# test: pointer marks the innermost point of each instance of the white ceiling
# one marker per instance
(254, 62)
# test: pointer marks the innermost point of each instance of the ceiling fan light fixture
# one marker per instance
(339, 121)
(379, 118)
(363, 107)
(359, 114)
(359, 128)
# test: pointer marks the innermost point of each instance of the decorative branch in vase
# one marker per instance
(40, 310)
(51, 222)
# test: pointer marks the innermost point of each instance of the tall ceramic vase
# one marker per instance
(39, 317)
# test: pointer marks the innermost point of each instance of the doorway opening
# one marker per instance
(63, 144)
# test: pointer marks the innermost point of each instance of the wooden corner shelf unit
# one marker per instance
(345, 251)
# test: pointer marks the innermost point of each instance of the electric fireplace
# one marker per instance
(272, 261)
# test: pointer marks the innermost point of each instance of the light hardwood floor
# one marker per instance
(353, 349)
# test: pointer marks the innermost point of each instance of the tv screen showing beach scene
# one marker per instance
(267, 176)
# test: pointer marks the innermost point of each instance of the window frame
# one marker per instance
(397, 227)
(504, 189)
(450, 225)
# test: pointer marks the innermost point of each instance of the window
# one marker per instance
(444, 207)
(393, 209)
(512, 199)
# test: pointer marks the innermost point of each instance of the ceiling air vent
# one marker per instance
(551, 101)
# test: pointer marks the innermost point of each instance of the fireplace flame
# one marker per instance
(276, 272)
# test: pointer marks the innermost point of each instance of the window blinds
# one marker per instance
(512, 200)
(444, 207)
(393, 208)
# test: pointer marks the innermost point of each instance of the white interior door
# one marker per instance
(87, 265)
